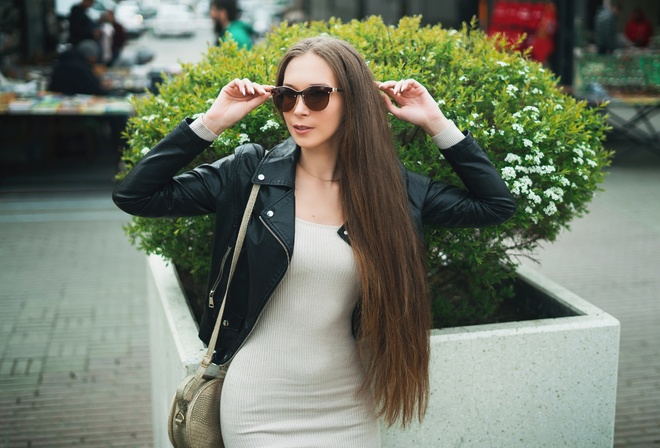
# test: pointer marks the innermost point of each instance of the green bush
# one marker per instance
(547, 145)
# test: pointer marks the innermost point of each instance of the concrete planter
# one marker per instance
(545, 383)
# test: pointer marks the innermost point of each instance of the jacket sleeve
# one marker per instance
(153, 188)
(487, 200)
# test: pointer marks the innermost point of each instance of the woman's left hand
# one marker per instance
(414, 104)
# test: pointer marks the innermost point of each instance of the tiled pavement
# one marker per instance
(74, 367)
(74, 349)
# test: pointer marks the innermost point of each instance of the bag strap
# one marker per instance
(206, 361)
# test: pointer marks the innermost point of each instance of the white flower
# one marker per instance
(243, 138)
(554, 193)
(546, 169)
(534, 157)
(270, 124)
(518, 127)
(508, 173)
(522, 186)
(462, 78)
(441, 102)
(511, 90)
(534, 197)
(578, 160)
(528, 143)
(144, 151)
(512, 158)
(551, 209)
(149, 118)
(559, 107)
(502, 64)
(539, 137)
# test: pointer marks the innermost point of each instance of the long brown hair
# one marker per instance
(393, 334)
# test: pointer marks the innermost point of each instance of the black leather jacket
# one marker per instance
(152, 189)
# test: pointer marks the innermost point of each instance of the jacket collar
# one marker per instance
(278, 167)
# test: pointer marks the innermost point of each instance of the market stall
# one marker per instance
(627, 84)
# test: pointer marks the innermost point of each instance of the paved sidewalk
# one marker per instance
(74, 368)
(74, 349)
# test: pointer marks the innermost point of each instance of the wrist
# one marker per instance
(199, 128)
(436, 125)
(213, 123)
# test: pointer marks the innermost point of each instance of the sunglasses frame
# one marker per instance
(278, 91)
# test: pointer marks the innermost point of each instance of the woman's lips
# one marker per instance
(300, 129)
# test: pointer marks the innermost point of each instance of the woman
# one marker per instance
(328, 304)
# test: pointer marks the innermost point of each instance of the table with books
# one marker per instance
(627, 86)
(42, 127)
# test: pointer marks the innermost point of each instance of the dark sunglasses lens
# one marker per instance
(288, 100)
(284, 98)
(316, 98)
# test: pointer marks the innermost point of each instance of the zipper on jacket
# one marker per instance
(288, 262)
(217, 280)
(288, 258)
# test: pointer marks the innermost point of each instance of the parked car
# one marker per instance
(173, 19)
(148, 8)
(129, 15)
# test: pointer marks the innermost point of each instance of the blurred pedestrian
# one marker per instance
(106, 35)
(113, 38)
(225, 15)
(73, 71)
(81, 26)
(605, 33)
(638, 28)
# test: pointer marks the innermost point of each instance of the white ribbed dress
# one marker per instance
(295, 381)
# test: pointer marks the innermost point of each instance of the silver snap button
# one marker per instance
(225, 323)
(346, 232)
(261, 177)
(270, 213)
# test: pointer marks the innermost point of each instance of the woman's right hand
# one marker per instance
(235, 101)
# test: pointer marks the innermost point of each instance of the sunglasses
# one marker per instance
(316, 98)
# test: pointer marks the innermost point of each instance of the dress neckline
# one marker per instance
(311, 223)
